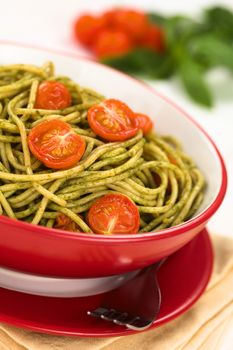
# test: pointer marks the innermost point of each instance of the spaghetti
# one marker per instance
(152, 170)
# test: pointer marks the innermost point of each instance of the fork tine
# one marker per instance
(117, 315)
(98, 312)
(135, 304)
(110, 315)
(121, 318)
(124, 321)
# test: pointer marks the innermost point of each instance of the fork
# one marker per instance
(136, 304)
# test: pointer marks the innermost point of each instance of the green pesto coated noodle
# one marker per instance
(152, 170)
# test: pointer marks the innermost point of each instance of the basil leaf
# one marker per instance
(220, 21)
(192, 47)
(213, 50)
(181, 29)
(156, 18)
(191, 76)
(144, 63)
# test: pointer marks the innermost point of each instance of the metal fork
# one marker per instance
(136, 304)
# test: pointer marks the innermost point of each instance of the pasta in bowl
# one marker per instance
(64, 146)
(94, 177)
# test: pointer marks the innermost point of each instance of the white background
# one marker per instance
(48, 23)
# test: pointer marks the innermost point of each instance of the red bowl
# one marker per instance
(50, 252)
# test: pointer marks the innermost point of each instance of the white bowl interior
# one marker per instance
(167, 118)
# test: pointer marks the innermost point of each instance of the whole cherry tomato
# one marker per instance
(153, 38)
(133, 22)
(87, 27)
(112, 43)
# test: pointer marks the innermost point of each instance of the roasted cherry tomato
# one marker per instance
(52, 95)
(153, 38)
(112, 43)
(133, 22)
(145, 123)
(63, 222)
(87, 27)
(112, 120)
(55, 144)
(114, 213)
(172, 160)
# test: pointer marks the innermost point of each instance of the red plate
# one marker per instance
(182, 279)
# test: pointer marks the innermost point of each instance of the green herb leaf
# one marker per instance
(213, 50)
(191, 76)
(220, 21)
(156, 18)
(192, 47)
(181, 29)
(144, 63)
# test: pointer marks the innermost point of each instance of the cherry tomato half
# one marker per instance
(172, 160)
(52, 95)
(112, 120)
(55, 144)
(63, 222)
(145, 123)
(86, 28)
(114, 213)
(153, 38)
(112, 43)
(133, 22)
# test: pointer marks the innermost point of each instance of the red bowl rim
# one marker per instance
(146, 236)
